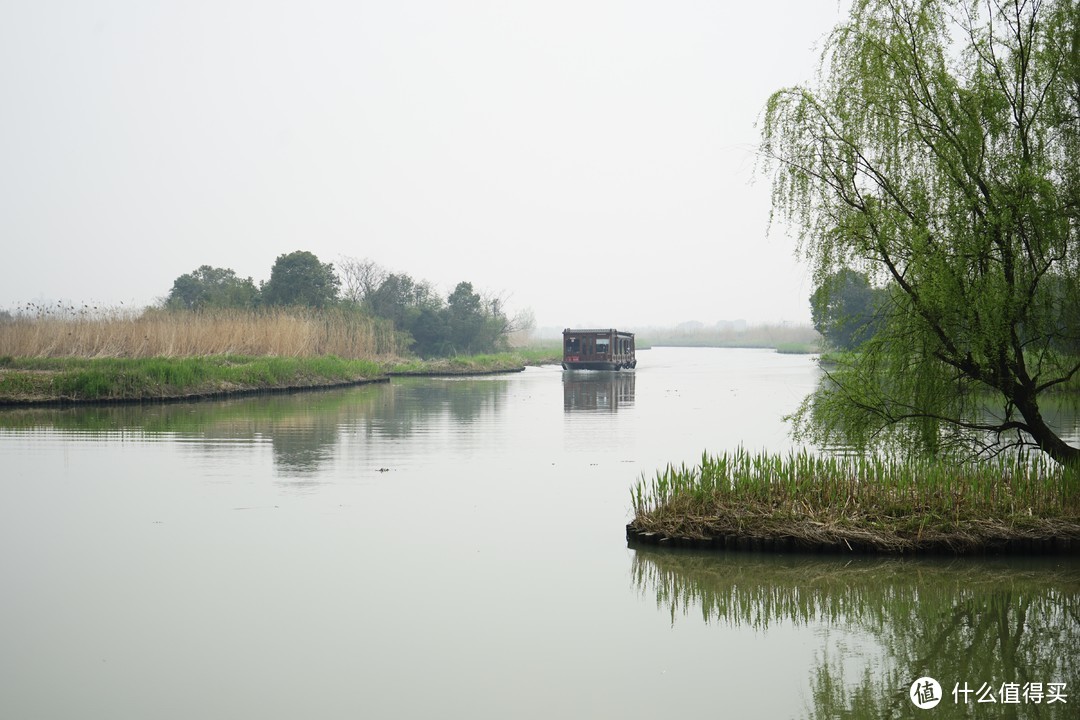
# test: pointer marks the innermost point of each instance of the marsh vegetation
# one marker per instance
(79, 354)
(801, 500)
(88, 332)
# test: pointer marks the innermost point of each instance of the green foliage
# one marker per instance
(901, 492)
(400, 299)
(298, 278)
(464, 323)
(430, 331)
(846, 309)
(474, 326)
(938, 151)
(211, 287)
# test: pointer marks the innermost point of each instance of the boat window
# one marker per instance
(573, 345)
(602, 345)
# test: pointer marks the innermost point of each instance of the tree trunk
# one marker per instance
(1049, 442)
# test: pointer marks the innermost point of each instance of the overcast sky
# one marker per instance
(590, 161)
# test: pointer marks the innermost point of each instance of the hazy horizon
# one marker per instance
(591, 162)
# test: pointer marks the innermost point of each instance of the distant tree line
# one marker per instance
(462, 322)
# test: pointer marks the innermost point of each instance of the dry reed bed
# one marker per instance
(66, 332)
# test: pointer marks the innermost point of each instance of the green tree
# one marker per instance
(414, 307)
(845, 309)
(430, 331)
(400, 298)
(465, 322)
(476, 325)
(939, 148)
(465, 317)
(211, 287)
(298, 278)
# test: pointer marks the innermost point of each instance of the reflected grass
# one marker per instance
(989, 620)
(759, 591)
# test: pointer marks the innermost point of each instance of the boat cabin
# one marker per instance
(592, 349)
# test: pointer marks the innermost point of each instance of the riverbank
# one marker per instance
(67, 381)
(803, 503)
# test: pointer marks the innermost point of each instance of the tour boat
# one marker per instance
(593, 349)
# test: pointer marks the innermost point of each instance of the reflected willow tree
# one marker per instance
(955, 621)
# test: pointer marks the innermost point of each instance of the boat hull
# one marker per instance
(598, 365)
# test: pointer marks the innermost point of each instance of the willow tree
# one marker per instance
(938, 151)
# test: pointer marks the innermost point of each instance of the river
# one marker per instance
(454, 548)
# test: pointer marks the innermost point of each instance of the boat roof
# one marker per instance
(595, 330)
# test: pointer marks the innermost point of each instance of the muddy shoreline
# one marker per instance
(1062, 538)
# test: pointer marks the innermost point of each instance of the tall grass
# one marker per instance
(67, 331)
(866, 489)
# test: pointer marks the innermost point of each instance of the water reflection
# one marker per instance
(960, 622)
(593, 391)
(151, 543)
(410, 403)
(304, 430)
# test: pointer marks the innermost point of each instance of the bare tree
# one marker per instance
(359, 278)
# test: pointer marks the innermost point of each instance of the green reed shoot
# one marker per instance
(860, 485)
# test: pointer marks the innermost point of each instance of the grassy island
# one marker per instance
(803, 502)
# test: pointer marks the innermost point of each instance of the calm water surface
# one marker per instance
(455, 548)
